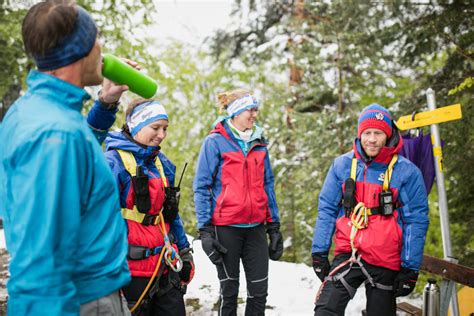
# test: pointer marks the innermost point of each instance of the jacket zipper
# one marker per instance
(248, 189)
(247, 174)
(222, 201)
(248, 181)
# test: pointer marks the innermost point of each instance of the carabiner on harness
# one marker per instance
(173, 260)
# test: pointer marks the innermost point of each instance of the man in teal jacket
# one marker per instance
(58, 198)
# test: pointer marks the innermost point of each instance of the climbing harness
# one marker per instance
(140, 252)
(145, 291)
(171, 256)
(167, 253)
(134, 214)
(360, 220)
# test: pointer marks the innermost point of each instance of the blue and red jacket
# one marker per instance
(392, 241)
(231, 188)
(138, 234)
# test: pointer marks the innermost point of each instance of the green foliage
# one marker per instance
(119, 22)
(13, 63)
(458, 158)
(188, 84)
(348, 55)
(433, 238)
(467, 83)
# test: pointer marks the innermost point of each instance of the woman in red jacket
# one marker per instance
(149, 200)
(235, 203)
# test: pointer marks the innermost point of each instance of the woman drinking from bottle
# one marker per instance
(235, 203)
(159, 256)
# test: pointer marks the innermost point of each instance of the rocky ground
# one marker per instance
(3, 281)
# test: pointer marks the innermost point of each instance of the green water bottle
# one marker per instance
(122, 73)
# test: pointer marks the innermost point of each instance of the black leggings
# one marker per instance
(334, 296)
(250, 245)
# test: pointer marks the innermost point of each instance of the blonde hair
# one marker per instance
(227, 97)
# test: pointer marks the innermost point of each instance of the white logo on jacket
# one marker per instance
(381, 177)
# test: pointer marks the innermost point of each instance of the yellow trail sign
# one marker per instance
(440, 115)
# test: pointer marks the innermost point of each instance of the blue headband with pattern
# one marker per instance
(242, 104)
(145, 114)
(73, 47)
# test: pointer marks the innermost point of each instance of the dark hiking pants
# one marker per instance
(250, 245)
(167, 300)
(334, 296)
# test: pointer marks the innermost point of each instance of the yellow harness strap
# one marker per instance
(130, 164)
(354, 169)
(388, 172)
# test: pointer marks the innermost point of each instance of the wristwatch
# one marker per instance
(105, 105)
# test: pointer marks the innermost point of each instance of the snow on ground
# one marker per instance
(292, 288)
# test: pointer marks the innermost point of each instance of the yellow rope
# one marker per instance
(130, 164)
(145, 291)
(360, 214)
(359, 220)
(166, 249)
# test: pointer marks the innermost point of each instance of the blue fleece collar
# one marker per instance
(55, 88)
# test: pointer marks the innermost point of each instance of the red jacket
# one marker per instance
(231, 188)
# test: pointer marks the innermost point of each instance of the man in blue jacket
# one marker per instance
(374, 202)
(58, 197)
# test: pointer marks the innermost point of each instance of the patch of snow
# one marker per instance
(292, 289)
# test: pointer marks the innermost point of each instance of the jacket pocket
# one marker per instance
(342, 236)
(381, 241)
(220, 203)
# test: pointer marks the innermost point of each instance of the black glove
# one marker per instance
(275, 248)
(187, 272)
(170, 205)
(321, 264)
(213, 249)
(405, 282)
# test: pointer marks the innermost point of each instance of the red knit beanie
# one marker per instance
(375, 116)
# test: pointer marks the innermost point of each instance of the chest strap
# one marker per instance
(387, 176)
(130, 165)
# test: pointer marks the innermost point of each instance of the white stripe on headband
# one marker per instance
(242, 104)
(145, 114)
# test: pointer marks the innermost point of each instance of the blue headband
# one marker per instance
(145, 114)
(242, 104)
(73, 47)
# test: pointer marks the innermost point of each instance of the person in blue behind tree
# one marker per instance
(235, 203)
(61, 210)
(374, 202)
